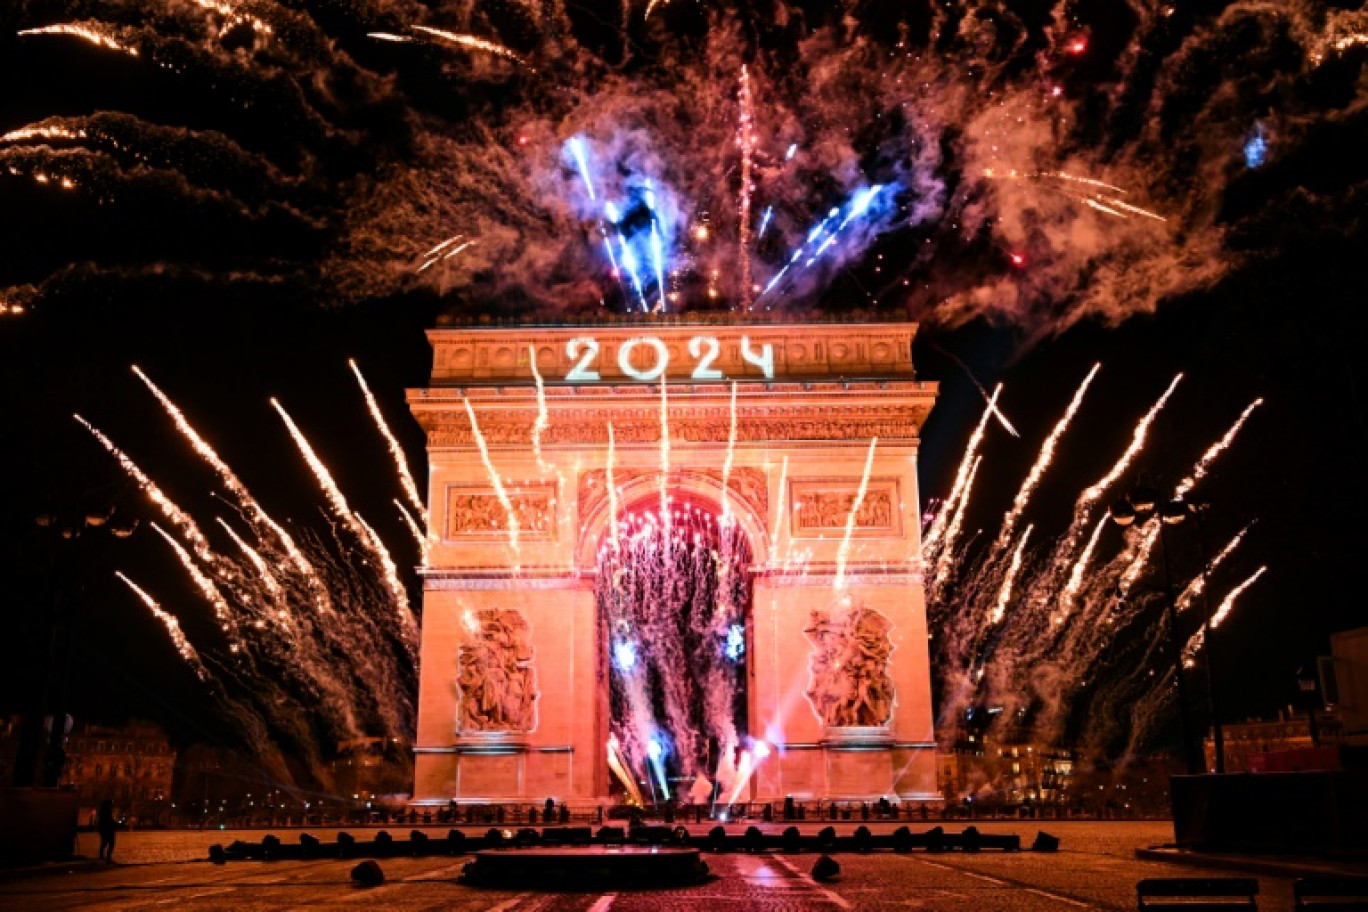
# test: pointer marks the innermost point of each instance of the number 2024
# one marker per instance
(703, 349)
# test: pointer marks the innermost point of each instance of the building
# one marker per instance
(542, 441)
(1249, 744)
(1348, 679)
(1007, 768)
(367, 768)
(130, 764)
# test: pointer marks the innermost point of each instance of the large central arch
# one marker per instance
(674, 610)
(772, 429)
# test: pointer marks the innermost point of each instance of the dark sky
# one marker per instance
(238, 229)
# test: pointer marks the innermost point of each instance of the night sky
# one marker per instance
(250, 209)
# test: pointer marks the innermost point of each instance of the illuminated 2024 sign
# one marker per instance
(584, 350)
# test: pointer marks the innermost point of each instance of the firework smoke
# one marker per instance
(1043, 167)
(1061, 639)
(289, 679)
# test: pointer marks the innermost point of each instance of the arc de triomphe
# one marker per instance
(513, 697)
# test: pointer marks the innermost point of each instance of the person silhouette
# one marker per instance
(106, 824)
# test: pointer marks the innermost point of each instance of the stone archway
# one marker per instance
(673, 602)
(802, 404)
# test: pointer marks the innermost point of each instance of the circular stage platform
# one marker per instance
(587, 866)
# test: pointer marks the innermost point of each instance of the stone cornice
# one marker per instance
(817, 411)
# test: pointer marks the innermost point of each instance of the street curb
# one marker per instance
(1267, 867)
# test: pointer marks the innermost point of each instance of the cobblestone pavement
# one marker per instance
(1095, 869)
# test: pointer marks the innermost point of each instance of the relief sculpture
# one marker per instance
(830, 510)
(851, 684)
(481, 513)
(496, 680)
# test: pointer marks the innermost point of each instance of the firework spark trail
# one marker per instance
(723, 607)
(731, 452)
(657, 250)
(41, 131)
(263, 570)
(1013, 568)
(1086, 500)
(664, 460)
(543, 418)
(99, 38)
(1047, 452)
(391, 572)
(344, 512)
(1144, 548)
(325, 480)
(173, 629)
(497, 483)
(234, 16)
(612, 489)
(619, 767)
(745, 139)
(780, 519)
(419, 538)
(1218, 617)
(475, 43)
(222, 610)
(1137, 555)
(1080, 567)
(182, 520)
(432, 261)
(396, 452)
(991, 403)
(581, 156)
(931, 544)
(945, 558)
(764, 222)
(1215, 450)
(843, 552)
(442, 246)
(1091, 494)
(1104, 201)
(230, 481)
(1198, 584)
(1228, 603)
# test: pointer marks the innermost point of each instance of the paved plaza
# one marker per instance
(1096, 868)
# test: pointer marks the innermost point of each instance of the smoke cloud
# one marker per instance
(956, 161)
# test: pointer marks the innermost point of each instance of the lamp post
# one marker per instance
(1306, 683)
(69, 531)
(1217, 734)
(1141, 506)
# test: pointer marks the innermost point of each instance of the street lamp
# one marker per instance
(73, 528)
(1217, 733)
(1140, 507)
(1306, 683)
